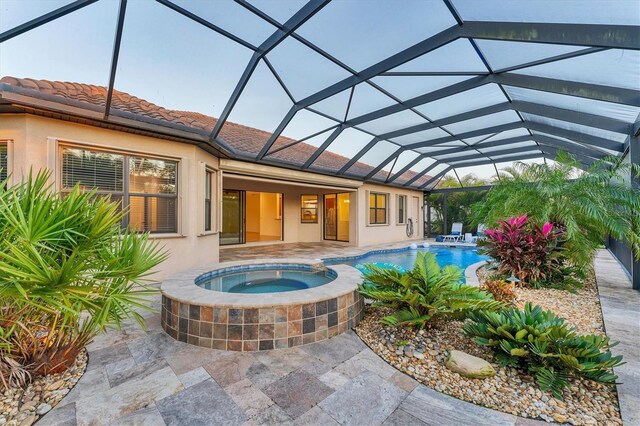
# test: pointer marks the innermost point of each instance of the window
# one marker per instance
(208, 184)
(309, 209)
(147, 187)
(377, 208)
(402, 209)
(4, 161)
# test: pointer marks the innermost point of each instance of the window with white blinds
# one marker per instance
(146, 187)
(4, 161)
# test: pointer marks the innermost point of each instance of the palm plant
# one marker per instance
(588, 207)
(423, 294)
(459, 204)
(67, 272)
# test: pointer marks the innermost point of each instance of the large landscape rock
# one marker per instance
(468, 365)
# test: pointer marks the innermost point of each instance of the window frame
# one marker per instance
(316, 208)
(377, 209)
(7, 148)
(208, 181)
(401, 205)
(126, 180)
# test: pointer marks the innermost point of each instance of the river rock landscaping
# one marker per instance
(580, 308)
(22, 407)
(422, 354)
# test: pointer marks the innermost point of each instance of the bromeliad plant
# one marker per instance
(68, 271)
(423, 294)
(533, 253)
(540, 342)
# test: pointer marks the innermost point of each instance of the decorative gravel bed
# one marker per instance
(22, 407)
(421, 354)
(581, 309)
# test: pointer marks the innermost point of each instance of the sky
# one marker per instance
(172, 61)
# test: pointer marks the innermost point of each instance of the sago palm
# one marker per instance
(424, 293)
(589, 206)
(67, 272)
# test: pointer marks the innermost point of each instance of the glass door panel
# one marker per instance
(330, 217)
(336, 217)
(343, 217)
(232, 217)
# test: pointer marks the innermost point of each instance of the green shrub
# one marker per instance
(587, 207)
(67, 272)
(423, 294)
(541, 343)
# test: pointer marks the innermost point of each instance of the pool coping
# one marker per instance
(471, 273)
(181, 287)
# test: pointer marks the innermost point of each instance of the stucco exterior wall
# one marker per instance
(34, 145)
(391, 231)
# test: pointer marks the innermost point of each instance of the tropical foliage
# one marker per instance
(588, 206)
(459, 204)
(423, 294)
(68, 271)
(540, 342)
(533, 253)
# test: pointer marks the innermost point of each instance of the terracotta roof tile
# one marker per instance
(247, 140)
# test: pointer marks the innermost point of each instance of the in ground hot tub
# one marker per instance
(266, 278)
(261, 305)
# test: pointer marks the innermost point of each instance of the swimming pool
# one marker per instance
(405, 258)
(266, 279)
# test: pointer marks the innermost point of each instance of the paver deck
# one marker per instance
(302, 250)
(621, 312)
(144, 377)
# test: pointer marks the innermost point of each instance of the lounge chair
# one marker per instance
(479, 233)
(456, 233)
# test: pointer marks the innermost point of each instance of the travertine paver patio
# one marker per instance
(301, 250)
(138, 377)
(147, 378)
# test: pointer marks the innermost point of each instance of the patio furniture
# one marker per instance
(456, 233)
(480, 235)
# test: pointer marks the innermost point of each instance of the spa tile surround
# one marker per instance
(254, 322)
(253, 329)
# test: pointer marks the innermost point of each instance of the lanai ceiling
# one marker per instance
(412, 88)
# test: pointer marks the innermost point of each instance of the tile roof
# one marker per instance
(247, 140)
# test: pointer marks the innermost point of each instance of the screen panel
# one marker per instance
(196, 93)
(504, 54)
(231, 17)
(302, 70)
(614, 67)
(469, 100)
(622, 112)
(261, 106)
(363, 34)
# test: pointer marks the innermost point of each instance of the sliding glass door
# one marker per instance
(336, 217)
(249, 217)
(233, 209)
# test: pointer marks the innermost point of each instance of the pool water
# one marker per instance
(267, 280)
(459, 256)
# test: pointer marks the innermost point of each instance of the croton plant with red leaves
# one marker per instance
(531, 252)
